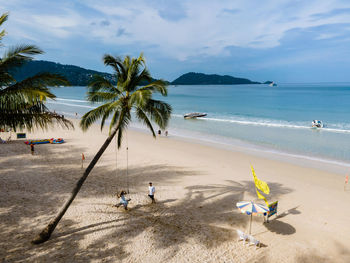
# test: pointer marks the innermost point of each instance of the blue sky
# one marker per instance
(281, 40)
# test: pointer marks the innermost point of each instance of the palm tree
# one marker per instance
(22, 104)
(119, 102)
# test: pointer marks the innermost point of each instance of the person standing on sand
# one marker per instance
(32, 148)
(151, 190)
(159, 132)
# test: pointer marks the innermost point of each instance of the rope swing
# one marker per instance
(127, 161)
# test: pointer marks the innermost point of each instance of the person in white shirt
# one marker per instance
(152, 190)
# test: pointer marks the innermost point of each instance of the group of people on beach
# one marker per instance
(124, 201)
(160, 133)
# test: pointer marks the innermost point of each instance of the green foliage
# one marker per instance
(22, 103)
(76, 76)
(126, 96)
(213, 79)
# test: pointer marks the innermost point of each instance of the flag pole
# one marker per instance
(250, 225)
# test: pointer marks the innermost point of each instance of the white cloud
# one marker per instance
(204, 30)
(206, 27)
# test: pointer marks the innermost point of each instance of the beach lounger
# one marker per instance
(21, 135)
(273, 210)
(253, 241)
(242, 236)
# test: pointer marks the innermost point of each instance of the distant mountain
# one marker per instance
(193, 78)
(76, 76)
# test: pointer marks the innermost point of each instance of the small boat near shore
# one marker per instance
(317, 124)
(193, 115)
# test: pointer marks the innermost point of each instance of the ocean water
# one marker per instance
(276, 119)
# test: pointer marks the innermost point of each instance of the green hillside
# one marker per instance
(193, 78)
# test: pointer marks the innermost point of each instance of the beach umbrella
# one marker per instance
(251, 208)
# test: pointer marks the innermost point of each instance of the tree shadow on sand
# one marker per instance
(206, 215)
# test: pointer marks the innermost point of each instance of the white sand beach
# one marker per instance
(194, 219)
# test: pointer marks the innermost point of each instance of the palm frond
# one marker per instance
(140, 97)
(22, 103)
(5, 80)
(159, 112)
(3, 19)
(142, 117)
(157, 86)
(99, 83)
(18, 55)
(36, 86)
(91, 116)
(100, 96)
(116, 63)
(30, 117)
(123, 122)
(137, 78)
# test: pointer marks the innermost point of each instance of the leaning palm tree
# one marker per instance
(119, 102)
(22, 103)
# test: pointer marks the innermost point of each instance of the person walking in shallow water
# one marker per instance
(151, 190)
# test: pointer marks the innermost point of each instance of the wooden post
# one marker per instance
(250, 226)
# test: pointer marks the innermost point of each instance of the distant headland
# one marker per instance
(78, 76)
(193, 78)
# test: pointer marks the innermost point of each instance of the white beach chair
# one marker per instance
(253, 241)
(242, 236)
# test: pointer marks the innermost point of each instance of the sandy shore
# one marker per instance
(194, 219)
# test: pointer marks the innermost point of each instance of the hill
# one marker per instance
(193, 78)
(76, 76)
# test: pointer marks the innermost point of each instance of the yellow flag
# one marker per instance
(261, 185)
(260, 196)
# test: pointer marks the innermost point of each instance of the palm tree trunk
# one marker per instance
(47, 231)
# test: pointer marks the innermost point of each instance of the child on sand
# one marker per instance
(123, 200)
(151, 190)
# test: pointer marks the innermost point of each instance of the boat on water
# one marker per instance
(317, 124)
(193, 115)
(272, 84)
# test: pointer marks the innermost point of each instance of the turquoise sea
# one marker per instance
(275, 119)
